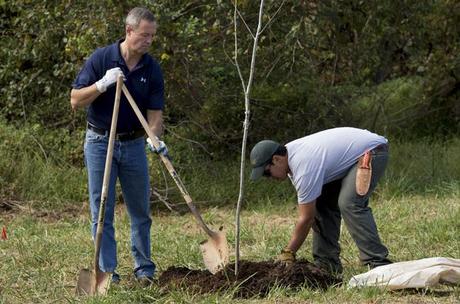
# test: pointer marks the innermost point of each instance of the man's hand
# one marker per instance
(287, 256)
(109, 79)
(162, 149)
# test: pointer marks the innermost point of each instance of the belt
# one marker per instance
(381, 148)
(125, 136)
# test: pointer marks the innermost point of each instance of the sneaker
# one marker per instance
(145, 281)
(116, 278)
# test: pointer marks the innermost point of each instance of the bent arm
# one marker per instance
(83, 97)
(304, 223)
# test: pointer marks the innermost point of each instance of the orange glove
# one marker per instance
(286, 256)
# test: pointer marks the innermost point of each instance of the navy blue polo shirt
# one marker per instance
(144, 82)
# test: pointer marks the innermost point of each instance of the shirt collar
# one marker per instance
(115, 55)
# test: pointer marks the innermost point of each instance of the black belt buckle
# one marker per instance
(124, 136)
(130, 135)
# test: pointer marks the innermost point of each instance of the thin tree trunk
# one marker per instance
(247, 92)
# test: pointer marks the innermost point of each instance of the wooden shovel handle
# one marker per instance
(107, 169)
(168, 165)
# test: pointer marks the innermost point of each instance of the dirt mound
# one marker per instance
(254, 278)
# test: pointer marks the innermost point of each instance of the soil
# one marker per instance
(255, 279)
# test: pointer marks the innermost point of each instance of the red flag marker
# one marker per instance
(4, 236)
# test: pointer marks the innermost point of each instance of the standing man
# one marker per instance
(323, 169)
(94, 89)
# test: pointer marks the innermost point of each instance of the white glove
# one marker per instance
(162, 149)
(109, 79)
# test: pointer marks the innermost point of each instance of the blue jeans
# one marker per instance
(129, 164)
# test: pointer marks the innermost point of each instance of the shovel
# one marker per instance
(215, 249)
(96, 282)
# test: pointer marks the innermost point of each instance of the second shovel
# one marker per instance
(215, 249)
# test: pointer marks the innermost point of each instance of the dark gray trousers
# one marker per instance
(339, 200)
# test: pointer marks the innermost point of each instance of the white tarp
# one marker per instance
(411, 274)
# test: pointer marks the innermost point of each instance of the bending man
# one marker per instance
(323, 168)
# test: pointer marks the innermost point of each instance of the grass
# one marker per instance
(416, 208)
(43, 254)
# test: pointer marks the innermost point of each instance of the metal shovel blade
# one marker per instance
(92, 283)
(215, 252)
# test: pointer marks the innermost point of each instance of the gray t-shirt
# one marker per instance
(322, 157)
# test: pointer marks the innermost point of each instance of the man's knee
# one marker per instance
(352, 205)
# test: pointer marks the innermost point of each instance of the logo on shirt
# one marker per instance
(144, 80)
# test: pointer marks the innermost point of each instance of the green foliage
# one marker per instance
(391, 66)
(390, 107)
(32, 166)
(314, 62)
(45, 43)
(423, 167)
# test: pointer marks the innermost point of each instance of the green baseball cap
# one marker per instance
(261, 156)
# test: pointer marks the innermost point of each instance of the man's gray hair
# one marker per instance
(137, 14)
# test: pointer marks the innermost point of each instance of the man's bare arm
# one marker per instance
(155, 121)
(84, 96)
(305, 221)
